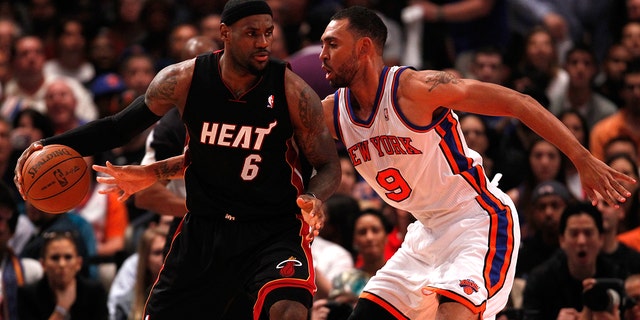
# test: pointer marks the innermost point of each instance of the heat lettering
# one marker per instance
(231, 135)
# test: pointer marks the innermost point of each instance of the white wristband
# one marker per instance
(62, 311)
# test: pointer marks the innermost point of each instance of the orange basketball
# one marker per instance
(55, 178)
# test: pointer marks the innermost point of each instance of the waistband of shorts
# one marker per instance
(214, 215)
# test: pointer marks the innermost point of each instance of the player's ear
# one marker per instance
(365, 46)
(224, 32)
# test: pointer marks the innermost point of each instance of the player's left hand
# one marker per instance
(124, 180)
(312, 213)
(599, 178)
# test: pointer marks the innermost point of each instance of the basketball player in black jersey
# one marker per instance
(243, 249)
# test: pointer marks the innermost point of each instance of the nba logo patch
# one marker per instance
(270, 102)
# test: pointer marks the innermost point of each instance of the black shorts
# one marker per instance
(223, 269)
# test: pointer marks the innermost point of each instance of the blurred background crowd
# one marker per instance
(64, 63)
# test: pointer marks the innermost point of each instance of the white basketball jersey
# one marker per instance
(424, 170)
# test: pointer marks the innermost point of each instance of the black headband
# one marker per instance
(236, 11)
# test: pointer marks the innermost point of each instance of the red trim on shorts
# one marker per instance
(308, 284)
(384, 304)
(460, 299)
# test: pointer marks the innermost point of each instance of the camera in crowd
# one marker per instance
(606, 294)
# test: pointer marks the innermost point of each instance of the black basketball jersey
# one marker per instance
(242, 160)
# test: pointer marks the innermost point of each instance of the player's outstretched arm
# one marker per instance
(431, 89)
(129, 179)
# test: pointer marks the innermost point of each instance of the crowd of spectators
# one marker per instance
(64, 63)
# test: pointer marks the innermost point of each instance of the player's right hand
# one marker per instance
(17, 179)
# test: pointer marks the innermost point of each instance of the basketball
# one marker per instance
(55, 178)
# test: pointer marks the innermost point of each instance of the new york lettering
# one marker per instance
(382, 146)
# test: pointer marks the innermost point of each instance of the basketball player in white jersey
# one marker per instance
(403, 137)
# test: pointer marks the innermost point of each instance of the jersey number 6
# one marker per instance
(250, 168)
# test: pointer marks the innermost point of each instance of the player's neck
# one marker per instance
(363, 88)
(237, 79)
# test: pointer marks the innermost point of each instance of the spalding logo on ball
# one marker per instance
(55, 178)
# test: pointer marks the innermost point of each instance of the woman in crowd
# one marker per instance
(62, 293)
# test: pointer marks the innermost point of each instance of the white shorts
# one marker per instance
(451, 257)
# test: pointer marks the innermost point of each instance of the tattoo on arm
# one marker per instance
(440, 77)
(310, 116)
(166, 170)
(165, 88)
(307, 115)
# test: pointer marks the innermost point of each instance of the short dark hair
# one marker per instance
(581, 208)
(364, 23)
(621, 138)
(388, 227)
(581, 47)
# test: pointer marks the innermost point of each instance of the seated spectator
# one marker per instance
(538, 72)
(70, 57)
(7, 157)
(577, 124)
(107, 90)
(475, 131)
(26, 87)
(545, 163)
(62, 293)
(554, 289)
(609, 82)
(621, 144)
(121, 293)
(625, 121)
(349, 177)
(630, 38)
(632, 290)
(548, 201)
(626, 258)
(61, 103)
(150, 259)
(488, 65)
(15, 272)
(625, 164)
(370, 230)
(340, 210)
(579, 95)
(48, 222)
(29, 126)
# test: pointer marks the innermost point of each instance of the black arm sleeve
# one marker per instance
(109, 132)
